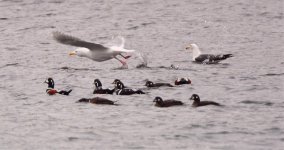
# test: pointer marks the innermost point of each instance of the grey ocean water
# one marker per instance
(250, 85)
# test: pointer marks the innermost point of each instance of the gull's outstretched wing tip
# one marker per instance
(71, 40)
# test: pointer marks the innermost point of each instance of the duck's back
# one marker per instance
(99, 100)
(168, 103)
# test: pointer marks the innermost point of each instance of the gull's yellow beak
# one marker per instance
(188, 47)
(72, 53)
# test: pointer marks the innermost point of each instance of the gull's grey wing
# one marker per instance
(212, 58)
(70, 40)
(202, 57)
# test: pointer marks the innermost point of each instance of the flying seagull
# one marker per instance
(197, 56)
(96, 52)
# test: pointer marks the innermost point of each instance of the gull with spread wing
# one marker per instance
(96, 52)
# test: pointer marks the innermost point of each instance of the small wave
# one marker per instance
(273, 129)
(221, 132)
(3, 18)
(56, 1)
(133, 28)
(146, 24)
(273, 74)
(257, 102)
(11, 48)
(72, 138)
(10, 64)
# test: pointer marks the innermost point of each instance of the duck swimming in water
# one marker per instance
(121, 90)
(198, 103)
(50, 89)
(151, 84)
(181, 81)
(166, 103)
(96, 100)
(99, 89)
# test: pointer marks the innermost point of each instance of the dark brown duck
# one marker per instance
(198, 103)
(152, 84)
(96, 100)
(166, 103)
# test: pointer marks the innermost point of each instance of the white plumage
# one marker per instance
(96, 52)
(197, 56)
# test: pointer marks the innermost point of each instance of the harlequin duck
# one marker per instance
(100, 90)
(180, 81)
(50, 89)
(151, 84)
(198, 103)
(166, 103)
(121, 90)
(115, 81)
(96, 100)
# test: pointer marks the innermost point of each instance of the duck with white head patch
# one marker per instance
(151, 84)
(96, 100)
(120, 89)
(166, 103)
(99, 88)
(50, 89)
(198, 103)
(180, 81)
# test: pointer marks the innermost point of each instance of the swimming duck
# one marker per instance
(198, 57)
(180, 81)
(96, 100)
(166, 103)
(151, 84)
(121, 90)
(50, 89)
(117, 80)
(100, 90)
(198, 103)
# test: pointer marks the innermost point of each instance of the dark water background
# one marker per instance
(250, 84)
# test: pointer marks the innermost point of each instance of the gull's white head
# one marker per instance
(195, 50)
(82, 52)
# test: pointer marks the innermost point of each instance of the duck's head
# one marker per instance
(83, 100)
(195, 98)
(158, 99)
(97, 83)
(149, 84)
(50, 82)
(115, 81)
(119, 85)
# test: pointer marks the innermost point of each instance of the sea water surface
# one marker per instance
(250, 84)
